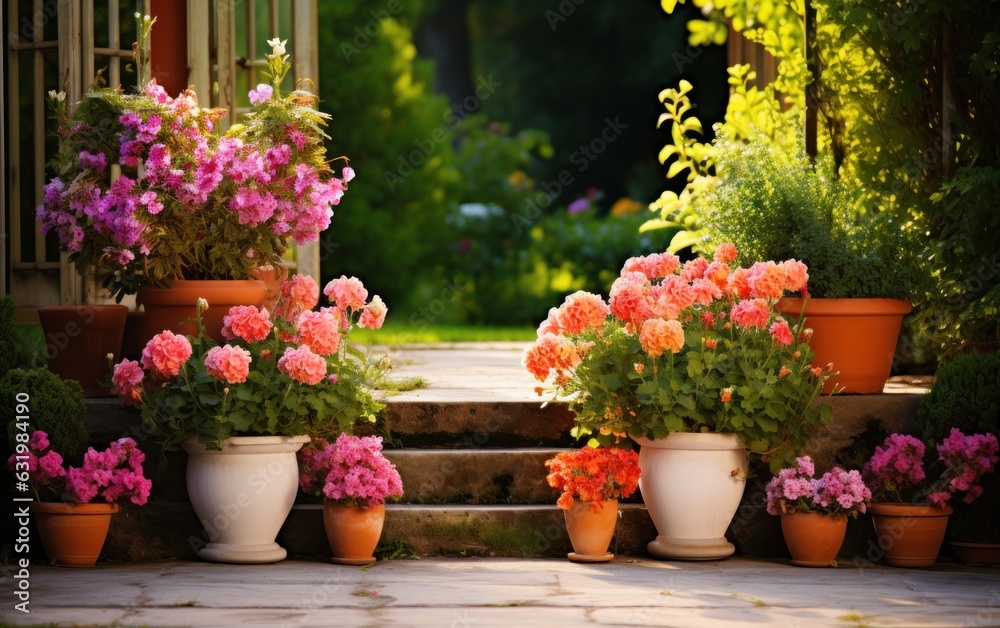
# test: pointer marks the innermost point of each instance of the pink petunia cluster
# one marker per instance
(113, 474)
(837, 492)
(897, 463)
(966, 459)
(352, 470)
(228, 364)
(165, 354)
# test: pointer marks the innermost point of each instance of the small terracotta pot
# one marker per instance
(813, 538)
(79, 339)
(353, 532)
(858, 336)
(168, 308)
(977, 554)
(910, 535)
(590, 532)
(73, 534)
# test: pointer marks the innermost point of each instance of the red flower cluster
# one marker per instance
(593, 474)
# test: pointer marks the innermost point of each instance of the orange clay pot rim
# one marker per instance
(218, 290)
(846, 307)
(908, 510)
(74, 509)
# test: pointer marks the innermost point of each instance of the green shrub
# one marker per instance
(966, 395)
(55, 407)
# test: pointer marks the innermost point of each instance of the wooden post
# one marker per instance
(812, 93)
(305, 62)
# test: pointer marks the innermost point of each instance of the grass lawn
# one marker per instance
(402, 333)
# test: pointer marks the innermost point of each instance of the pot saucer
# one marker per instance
(590, 558)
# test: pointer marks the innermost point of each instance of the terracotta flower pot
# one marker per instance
(910, 535)
(692, 484)
(167, 308)
(79, 339)
(590, 532)
(858, 336)
(353, 532)
(73, 534)
(977, 554)
(813, 538)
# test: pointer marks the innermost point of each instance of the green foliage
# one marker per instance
(966, 395)
(8, 350)
(906, 95)
(390, 228)
(55, 406)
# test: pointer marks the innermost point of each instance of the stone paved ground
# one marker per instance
(501, 592)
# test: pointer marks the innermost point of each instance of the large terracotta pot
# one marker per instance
(910, 535)
(590, 532)
(73, 534)
(353, 532)
(79, 338)
(858, 336)
(812, 538)
(242, 495)
(167, 308)
(692, 484)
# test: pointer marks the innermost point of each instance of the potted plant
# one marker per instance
(355, 479)
(241, 410)
(966, 395)
(814, 511)
(693, 363)
(910, 514)
(592, 480)
(72, 527)
(149, 192)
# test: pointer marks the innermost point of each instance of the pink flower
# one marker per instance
(373, 314)
(165, 353)
(797, 275)
(228, 364)
(694, 269)
(353, 470)
(298, 294)
(303, 365)
(781, 331)
(550, 352)
(581, 310)
(629, 298)
(247, 323)
(767, 280)
(550, 325)
(718, 273)
(346, 293)
(127, 379)
(348, 174)
(639, 367)
(320, 331)
(739, 283)
(39, 440)
(751, 313)
(262, 93)
(726, 253)
(657, 335)
(51, 464)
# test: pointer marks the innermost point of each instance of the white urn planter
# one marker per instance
(242, 495)
(692, 484)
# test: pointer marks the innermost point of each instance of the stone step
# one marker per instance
(474, 476)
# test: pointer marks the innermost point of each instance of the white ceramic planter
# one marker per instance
(692, 484)
(242, 495)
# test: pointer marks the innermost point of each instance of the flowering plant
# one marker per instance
(686, 347)
(287, 374)
(896, 469)
(148, 190)
(110, 475)
(350, 471)
(837, 492)
(593, 474)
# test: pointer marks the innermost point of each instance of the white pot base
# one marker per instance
(242, 554)
(691, 549)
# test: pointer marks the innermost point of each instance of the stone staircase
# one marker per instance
(472, 462)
